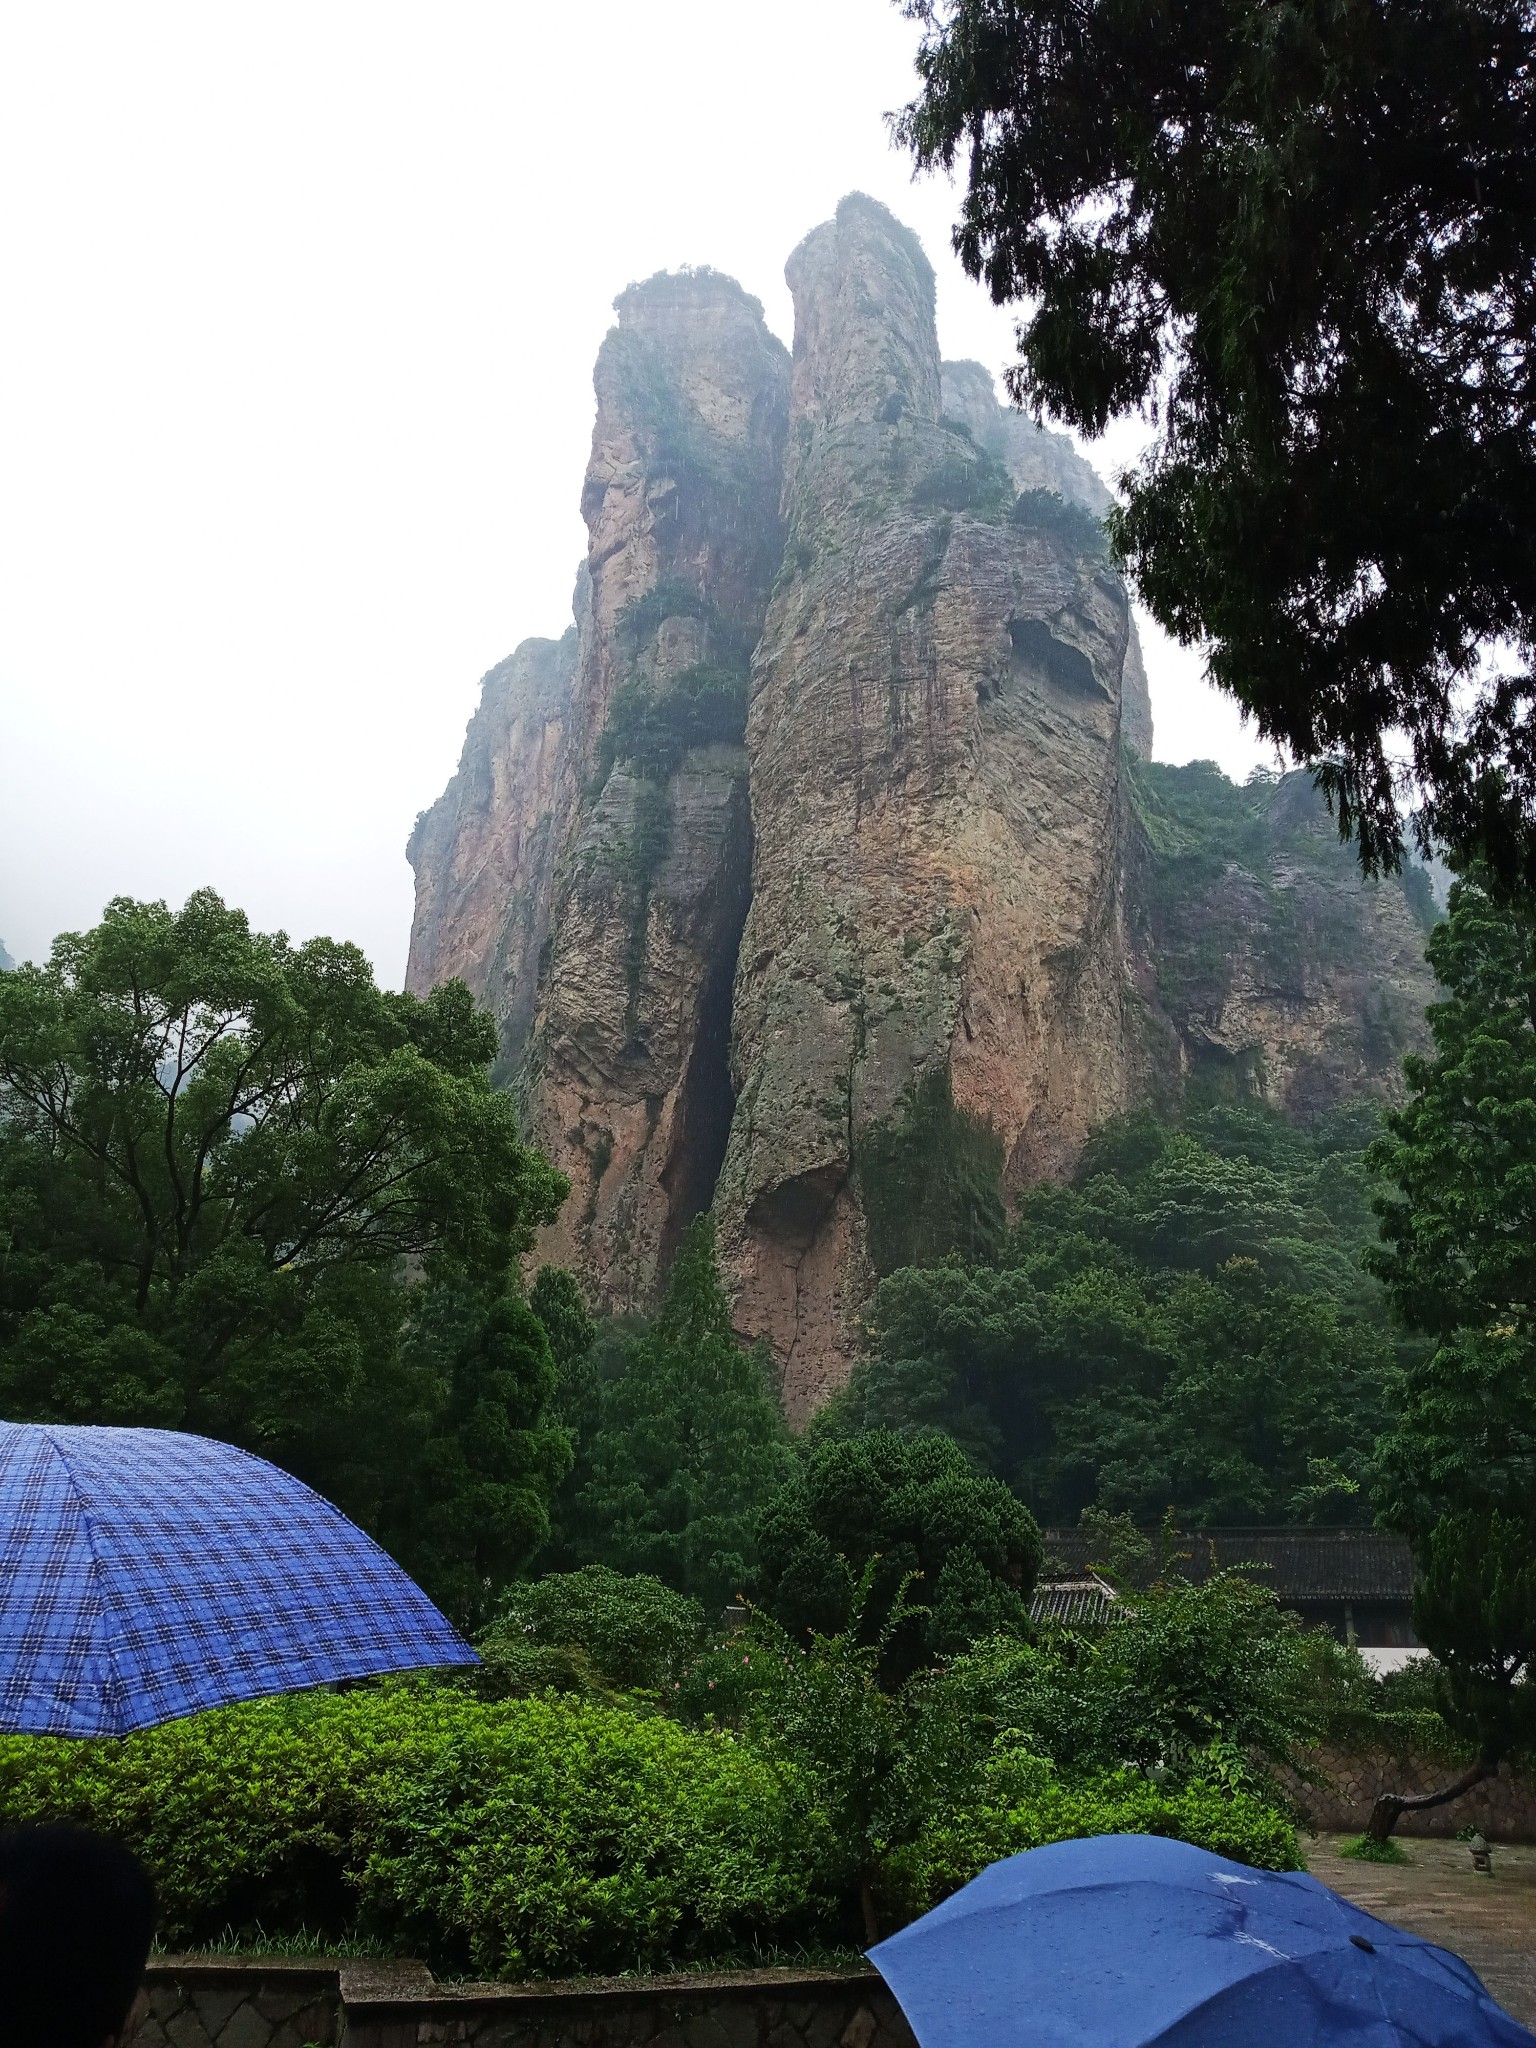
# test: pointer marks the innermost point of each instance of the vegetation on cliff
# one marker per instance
(1242, 896)
(1185, 1324)
(931, 1180)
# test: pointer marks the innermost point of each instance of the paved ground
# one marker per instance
(1490, 1921)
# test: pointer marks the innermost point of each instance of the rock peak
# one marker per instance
(687, 292)
(813, 878)
(866, 345)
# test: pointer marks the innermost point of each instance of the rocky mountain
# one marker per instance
(823, 860)
(7, 964)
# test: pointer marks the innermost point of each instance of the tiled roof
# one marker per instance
(1299, 1565)
(1077, 1602)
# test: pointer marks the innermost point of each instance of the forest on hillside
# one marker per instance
(245, 1192)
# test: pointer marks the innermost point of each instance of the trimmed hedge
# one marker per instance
(515, 1838)
(556, 1836)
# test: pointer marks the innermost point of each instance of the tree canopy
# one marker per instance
(1302, 242)
(932, 1533)
(1458, 1467)
(244, 1191)
(1186, 1324)
(679, 1439)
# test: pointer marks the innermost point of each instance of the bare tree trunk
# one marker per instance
(1390, 1807)
(867, 1907)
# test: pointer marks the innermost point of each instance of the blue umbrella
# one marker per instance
(145, 1575)
(1129, 1939)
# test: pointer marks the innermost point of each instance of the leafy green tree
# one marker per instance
(910, 1511)
(1458, 1470)
(684, 1440)
(1267, 1405)
(1301, 242)
(244, 1191)
(636, 1633)
(825, 1712)
(1458, 1215)
(1183, 1671)
(1187, 1324)
(477, 1501)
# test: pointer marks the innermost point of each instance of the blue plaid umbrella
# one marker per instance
(145, 1575)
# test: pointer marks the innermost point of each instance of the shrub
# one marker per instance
(521, 1838)
(1073, 525)
(1022, 1804)
(653, 728)
(964, 479)
(555, 1839)
(1363, 1850)
(636, 1633)
(1396, 1711)
(1190, 1683)
(911, 1507)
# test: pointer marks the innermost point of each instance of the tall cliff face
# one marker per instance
(934, 739)
(1266, 967)
(1047, 463)
(821, 873)
(626, 1079)
(484, 855)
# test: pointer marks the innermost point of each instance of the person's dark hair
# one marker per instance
(77, 1914)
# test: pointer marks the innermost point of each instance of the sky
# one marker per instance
(295, 396)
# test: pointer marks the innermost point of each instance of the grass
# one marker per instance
(1364, 1850)
(256, 1941)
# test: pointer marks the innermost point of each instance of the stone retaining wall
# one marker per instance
(357, 2004)
(241, 2005)
(1503, 1807)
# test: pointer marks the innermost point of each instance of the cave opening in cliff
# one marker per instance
(707, 1101)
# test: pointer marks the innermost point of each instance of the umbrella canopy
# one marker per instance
(146, 1574)
(1126, 1939)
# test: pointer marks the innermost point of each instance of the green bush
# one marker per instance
(911, 1511)
(1183, 1675)
(637, 1634)
(1022, 1804)
(1065, 520)
(524, 1838)
(1400, 1712)
(1363, 1850)
(652, 728)
(965, 479)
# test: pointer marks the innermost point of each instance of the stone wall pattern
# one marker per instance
(365, 2004)
(1503, 1807)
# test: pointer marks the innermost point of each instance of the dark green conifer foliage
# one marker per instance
(685, 1441)
(911, 1511)
(1306, 237)
(1458, 1213)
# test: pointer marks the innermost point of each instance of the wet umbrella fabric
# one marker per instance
(1123, 1940)
(146, 1574)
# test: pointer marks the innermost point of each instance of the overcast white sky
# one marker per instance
(301, 303)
